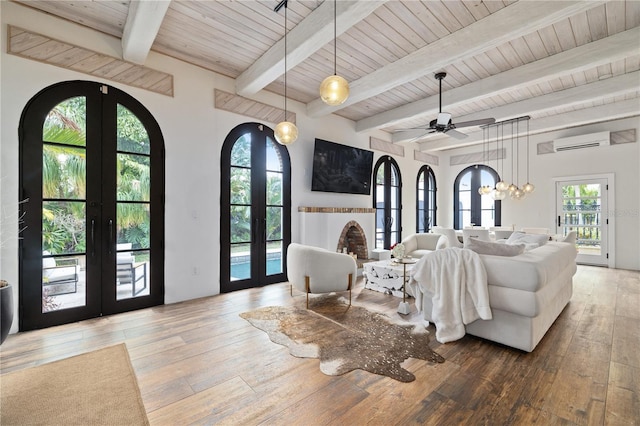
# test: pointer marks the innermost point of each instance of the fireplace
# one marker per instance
(354, 240)
(325, 227)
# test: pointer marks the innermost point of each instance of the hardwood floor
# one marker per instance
(198, 362)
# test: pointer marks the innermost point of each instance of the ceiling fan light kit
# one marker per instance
(334, 90)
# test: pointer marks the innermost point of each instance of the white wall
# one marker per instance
(194, 132)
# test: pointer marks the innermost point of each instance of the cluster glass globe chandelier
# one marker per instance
(285, 132)
(334, 90)
(502, 189)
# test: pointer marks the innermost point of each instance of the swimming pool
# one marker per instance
(242, 271)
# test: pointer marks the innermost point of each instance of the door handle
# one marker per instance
(559, 221)
(93, 237)
(111, 243)
(264, 231)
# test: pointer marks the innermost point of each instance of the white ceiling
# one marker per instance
(563, 63)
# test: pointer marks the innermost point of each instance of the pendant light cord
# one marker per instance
(285, 61)
(528, 151)
(335, 36)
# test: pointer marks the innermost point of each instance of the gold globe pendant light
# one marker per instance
(334, 90)
(285, 132)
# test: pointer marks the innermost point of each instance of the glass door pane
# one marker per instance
(241, 220)
(581, 205)
(64, 177)
(133, 215)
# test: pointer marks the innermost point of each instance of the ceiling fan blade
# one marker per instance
(456, 134)
(411, 129)
(479, 122)
(421, 136)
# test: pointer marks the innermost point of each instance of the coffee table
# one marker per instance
(389, 276)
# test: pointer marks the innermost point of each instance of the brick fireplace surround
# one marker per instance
(334, 228)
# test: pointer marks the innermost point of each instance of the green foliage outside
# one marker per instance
(582, 209)
(240, 196)
(64, 223)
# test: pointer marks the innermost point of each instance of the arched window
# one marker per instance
(255, 208)
(425, 199)
(387, 200)
(471, 208)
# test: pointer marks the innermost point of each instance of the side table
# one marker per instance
(404, 308)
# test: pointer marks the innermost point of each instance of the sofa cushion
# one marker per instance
(495, 249)
(532, 240)
(530, 270)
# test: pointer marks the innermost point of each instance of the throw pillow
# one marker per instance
(522, 238)
(495, 249)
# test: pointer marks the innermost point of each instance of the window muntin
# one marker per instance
(471, 208)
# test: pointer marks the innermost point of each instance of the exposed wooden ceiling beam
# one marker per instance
(309, 36)
(513, 21)
(610, 49)
(140, 29)
(607, 112)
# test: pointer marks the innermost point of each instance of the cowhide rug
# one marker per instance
(345, 338)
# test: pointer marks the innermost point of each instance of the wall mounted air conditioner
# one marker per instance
(582, 141)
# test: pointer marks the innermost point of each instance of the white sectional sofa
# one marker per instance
(527, 292)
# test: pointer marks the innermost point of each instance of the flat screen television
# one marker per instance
(341, 168)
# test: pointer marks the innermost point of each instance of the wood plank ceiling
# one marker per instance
(563, 63)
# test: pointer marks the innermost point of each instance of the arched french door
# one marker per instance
(387, 200)
(471, 208)
(255, 208)
(92, 172)
(425, 199)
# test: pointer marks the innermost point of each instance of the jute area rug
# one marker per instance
(345, 338)
(97, 388)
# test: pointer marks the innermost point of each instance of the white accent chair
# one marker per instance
(417, 245)
(450, 233)
(316, 270)
(477, 233)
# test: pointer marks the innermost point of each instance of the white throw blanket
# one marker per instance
(456, 282)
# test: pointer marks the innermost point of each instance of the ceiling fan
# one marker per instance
(444, 124)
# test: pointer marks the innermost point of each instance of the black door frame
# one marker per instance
(387, 162)
(100, 272)
(259, 133)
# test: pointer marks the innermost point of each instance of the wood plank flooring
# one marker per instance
(198, 362)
